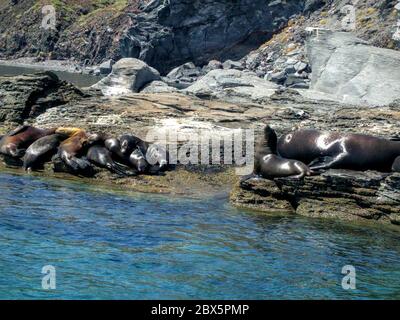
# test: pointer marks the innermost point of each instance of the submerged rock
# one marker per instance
(128, 75)
(342, 194)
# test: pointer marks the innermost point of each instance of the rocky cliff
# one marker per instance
(162, 33)
(169, 33)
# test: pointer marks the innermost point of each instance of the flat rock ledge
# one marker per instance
(340, 194)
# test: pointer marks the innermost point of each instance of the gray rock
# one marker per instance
(352, 71)
(212, 65)
(341, 194)
(301, 66)
(229, 64)
(295, 81)
(277, 77)
(183, 76)
(166, 34)
(233, 86)
(158, 87)
(106, 67)
(311, 5)
(128, 75)
(290, 69)
(26, 96)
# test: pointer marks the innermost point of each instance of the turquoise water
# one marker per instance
(107, 245)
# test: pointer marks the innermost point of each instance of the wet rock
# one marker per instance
(27, 96)
(352, 71)
(233, 86)
(128, 75)
(341, 194)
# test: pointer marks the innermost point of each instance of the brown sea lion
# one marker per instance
(324, 150)
(75, 146)
(269, 165)
(15, 143)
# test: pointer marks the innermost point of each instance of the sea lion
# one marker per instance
(325, 150)
(269, 165)
(42, 150)
(73, 147)
(102, 157)
(129, 143)
(138, 161)
(114, 145)
(15, 143)
(155, 154)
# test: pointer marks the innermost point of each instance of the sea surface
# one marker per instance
(79, 80)
(111, 244)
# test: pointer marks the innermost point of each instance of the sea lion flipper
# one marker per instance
(18, 130)
(321, 163)
(271, 139)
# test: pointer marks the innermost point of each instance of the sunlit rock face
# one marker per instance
(166, 34)
(234, 86)
(349, 70)
(128, 75)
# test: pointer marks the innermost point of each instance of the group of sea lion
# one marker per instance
(307, 152)
(297, 154)
(127, 155)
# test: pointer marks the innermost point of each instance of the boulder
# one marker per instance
(229, 64)
(352, 71)
(183, 76)
(212, 65)
(128, 75)
(276, 77)
(27, 96)
(106, 67)
(233, 86)
(158, 87)
(342, 194)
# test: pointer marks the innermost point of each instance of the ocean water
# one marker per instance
(106, 244)
(79, 80)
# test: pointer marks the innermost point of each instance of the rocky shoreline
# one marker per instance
(342, 195)
(329, 89)
(339, 194)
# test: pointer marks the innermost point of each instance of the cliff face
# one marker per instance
(167, 33)
(162, 33)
